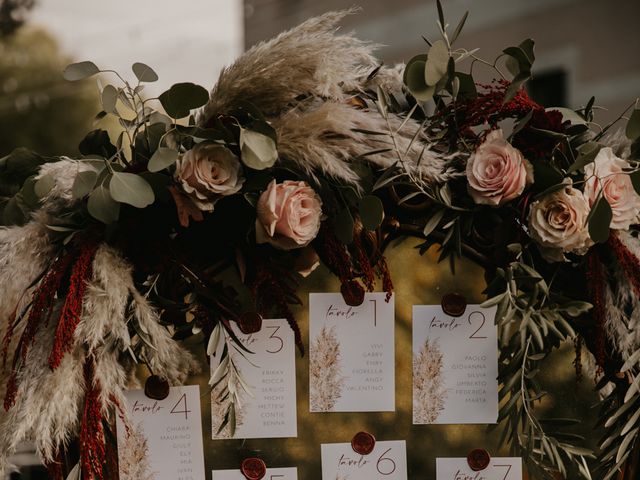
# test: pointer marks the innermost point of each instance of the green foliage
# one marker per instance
(181, 98)
(258, 150)
(80, 71)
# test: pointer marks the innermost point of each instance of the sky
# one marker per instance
(183, 41)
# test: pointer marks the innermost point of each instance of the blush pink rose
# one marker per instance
(606, 176)
(497, 172)
(209, 172)
(558, 223)
(288, 215)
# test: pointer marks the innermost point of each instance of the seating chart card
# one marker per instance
(269, 373)
(455, 366)
(272, 474)
(506, 468)
(351, 354)
(163, 440)
(388, 460)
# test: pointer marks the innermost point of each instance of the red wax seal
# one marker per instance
(250, 322)
(454, 304)
(253, 468)
(353, 293)
(363, 443)
(156, 388)
(478, 459)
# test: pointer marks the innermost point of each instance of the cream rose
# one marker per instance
(208, 172)
(558, 223)
(606, 175)
(497, 172)
(288, 215)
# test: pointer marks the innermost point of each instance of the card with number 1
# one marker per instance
(351, 354)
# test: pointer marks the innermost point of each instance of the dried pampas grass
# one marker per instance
(49, 402)
(326, 138)
(310, 59)
(325, 378)
(303, 80)
(429, 393)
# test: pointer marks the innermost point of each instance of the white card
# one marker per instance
(455, 366)
(505, 468)
(164, 441)
(351, 354)
(388, 460)
(270, 374)
(272, 474)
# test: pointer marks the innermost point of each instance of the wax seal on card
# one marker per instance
(156, 388)
(253, 468)
(250, 322)
(363, 443)
(352, 293)
(454, 304)
(478, 459)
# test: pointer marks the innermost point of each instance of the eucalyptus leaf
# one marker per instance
(102, 206)
(436, 64)
(587, 153)
(258, 150)
(600, 220)
(109, 98)
(633, 125)
(44, 185)
(459, 28)
(371, 212)
(80, 71)
(415, 81)
(131, 189)
(181, 98)
(162, 158)
(144, 73)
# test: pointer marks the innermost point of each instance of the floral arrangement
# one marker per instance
(308, 150)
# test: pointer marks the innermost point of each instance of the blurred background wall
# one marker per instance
(583, 47)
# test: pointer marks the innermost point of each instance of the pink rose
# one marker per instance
(208, 172)
(497, 172)
(606, 176)
(288, 215)
(558, 223)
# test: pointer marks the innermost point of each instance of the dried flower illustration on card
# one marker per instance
(326, 380)
(133, 457)
(429, 394)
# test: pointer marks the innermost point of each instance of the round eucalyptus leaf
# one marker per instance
(633, 125)
(80, 71)
(181, 98)
(437, 61)
(144, 73)
(371, 212)
(414, 79)
(258, 150)
(162, 158)
(109, 98)
(102, 206)
(44, 185)
(84, 183)
(131, 189)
